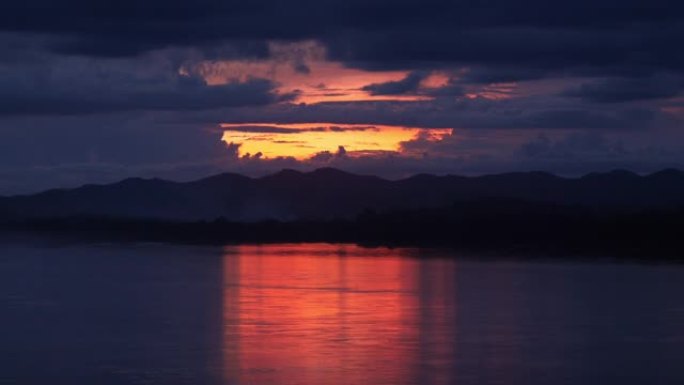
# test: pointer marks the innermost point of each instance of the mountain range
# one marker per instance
(330, 193)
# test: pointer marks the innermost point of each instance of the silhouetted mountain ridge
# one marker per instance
(330, 193)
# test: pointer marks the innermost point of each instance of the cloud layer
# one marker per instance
(96, 91)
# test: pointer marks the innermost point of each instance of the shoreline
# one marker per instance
(581, 239)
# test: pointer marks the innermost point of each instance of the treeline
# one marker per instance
(490, 226)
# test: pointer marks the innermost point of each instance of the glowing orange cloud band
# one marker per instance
(303, 140)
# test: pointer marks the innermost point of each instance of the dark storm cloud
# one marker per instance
(352, 128)
(452, 88)
(409, 34)
(617, 90)
(261, 129)
(407, 85)
(485, 75)
(533, 112)
(577, 145)
(526, 38)
(62, 91)
(498, 40)
(130, 139)
(274, 129)
(517, 53)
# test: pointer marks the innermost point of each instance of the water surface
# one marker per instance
(331, 314)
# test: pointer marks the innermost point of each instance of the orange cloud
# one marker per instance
(303, 140)
(495, 91)
(302, 68)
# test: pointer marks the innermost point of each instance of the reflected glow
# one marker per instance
(331, 315)
(302, 140)
(323, 314)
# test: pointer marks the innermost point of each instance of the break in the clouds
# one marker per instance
(97, 91)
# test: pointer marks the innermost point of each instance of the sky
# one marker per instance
(97, 91)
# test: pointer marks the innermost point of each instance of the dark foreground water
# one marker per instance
(331, 314)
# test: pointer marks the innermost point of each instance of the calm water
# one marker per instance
(330, 314)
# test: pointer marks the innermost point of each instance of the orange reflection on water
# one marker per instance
(320, 314)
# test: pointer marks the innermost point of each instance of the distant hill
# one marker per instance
(329, 193)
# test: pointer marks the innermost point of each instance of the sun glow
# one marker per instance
(303, 140)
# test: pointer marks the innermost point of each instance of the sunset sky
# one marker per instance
(96, 91)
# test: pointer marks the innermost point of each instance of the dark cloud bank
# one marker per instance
(93, 91)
